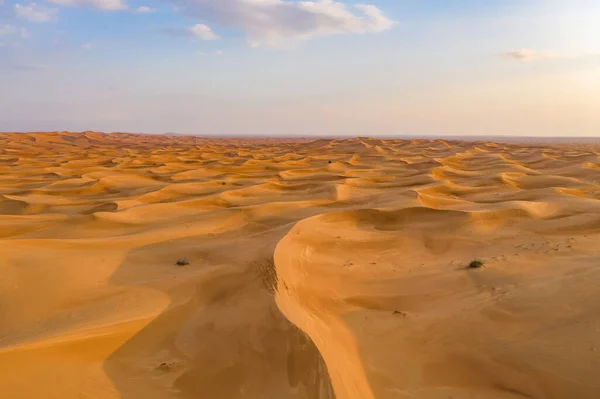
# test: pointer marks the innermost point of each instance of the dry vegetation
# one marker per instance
(476, 264)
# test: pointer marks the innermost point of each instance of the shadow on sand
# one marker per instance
(222, 335)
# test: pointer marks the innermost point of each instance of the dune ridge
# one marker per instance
(318, 268)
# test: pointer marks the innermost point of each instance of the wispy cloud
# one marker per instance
(144, 10)
(87, 46)
(204, 53)
(276, 22)
(530, 55)
(7, 29)
(525, 55)
(34, 12)
(107, 5)
(198, 31)
(273, 23)
(202, 32)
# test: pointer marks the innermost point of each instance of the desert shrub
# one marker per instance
(476, 264)
(182, 262)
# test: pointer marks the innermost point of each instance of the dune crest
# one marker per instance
(149, 266)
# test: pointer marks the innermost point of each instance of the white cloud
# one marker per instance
(219, 52)
(87, 46)
(108, 5)
(24, 33)
(34, 12)
(375, 20)
(202, 32)
(274, 22)
(198, 31)
(145, 10)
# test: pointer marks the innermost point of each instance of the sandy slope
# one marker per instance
(365, 242)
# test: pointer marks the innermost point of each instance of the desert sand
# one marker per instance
(317, 268)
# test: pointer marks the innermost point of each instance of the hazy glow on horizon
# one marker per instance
(320, 67)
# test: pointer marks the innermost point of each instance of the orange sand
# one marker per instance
(370, 239)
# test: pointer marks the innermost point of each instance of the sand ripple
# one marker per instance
(317, 268)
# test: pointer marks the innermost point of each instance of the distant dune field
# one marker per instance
(309, 269)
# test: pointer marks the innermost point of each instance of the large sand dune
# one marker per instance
(318, 269)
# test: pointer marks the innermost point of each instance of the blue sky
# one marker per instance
(321, 67)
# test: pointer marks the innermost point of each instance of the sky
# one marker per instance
(313, 67)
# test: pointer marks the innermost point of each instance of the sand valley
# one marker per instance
(317, 269)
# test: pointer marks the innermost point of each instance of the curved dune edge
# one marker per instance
(373, 321)
(371, 238)
(334, 341)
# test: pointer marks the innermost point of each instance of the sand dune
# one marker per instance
(317, 268)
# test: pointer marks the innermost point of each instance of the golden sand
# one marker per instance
(314, 267)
